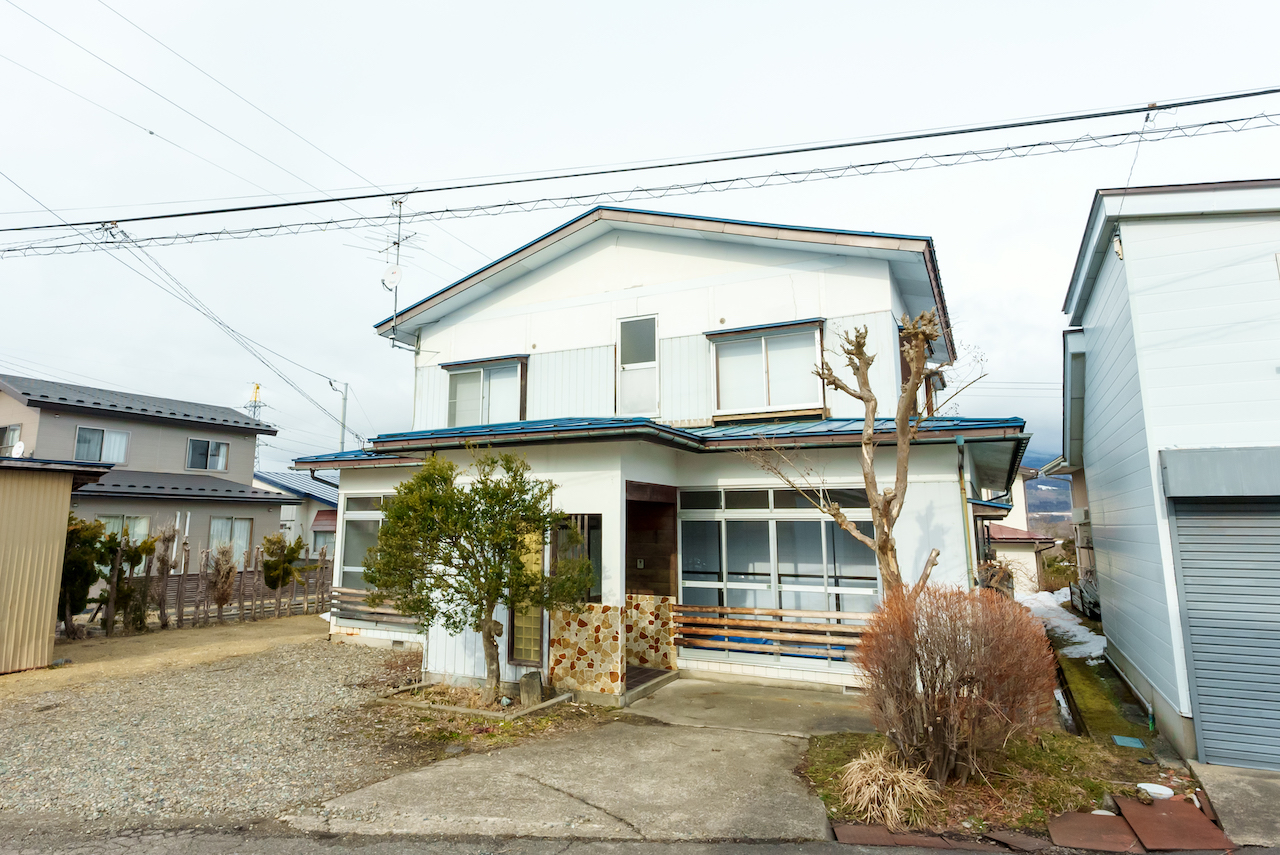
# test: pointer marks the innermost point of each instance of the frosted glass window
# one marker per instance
(465, 394)
(700, 551)
(800, 552)
(502, 394)
(791, 362)
(95, 445)
(740, 374)
(747, 551)
(638, 367)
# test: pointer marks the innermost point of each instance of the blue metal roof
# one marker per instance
(568, 223)
(302, 484)
(843, 427)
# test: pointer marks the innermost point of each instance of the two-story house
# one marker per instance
(1171, 433)
(630, 356)
(171, 461)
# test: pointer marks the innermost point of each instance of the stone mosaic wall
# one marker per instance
(586, 650)
(650, 632)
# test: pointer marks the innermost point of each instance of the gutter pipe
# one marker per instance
(964, 511)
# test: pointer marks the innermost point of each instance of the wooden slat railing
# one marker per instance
(349, 603)
(790, 632)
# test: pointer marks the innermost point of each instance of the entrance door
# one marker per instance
(1229, 562)
(651, 539)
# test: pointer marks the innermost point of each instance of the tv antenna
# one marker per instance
(392, 275)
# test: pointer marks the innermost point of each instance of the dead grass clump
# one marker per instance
(877, 790)
(952, 674)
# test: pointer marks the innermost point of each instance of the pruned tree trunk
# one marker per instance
(490, 632)
(69, 628)
(113, 584)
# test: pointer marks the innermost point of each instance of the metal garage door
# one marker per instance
(1229, 557)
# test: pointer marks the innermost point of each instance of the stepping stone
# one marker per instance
(1018, 840)
(1172, 825)
(925, 841)
(863, 835)
(1089, 831)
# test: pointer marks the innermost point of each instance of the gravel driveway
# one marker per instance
(237, 738)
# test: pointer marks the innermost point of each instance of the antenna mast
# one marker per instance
(254, 408)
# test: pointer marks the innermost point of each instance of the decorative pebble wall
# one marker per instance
(650, 632)
(586, 650)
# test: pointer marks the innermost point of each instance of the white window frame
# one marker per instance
(761, 336)
(340, 536)
(6, 447)
(187, 461)
(128, 443)
(655, 365)
(483, 368)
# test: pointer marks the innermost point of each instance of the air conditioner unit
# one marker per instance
(1079, 516)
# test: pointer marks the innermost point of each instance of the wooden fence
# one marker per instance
(187, 598)
(349, 603)
(791, 632)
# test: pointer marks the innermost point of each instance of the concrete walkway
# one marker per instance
(755, 709)
(721, 768)
(1247, 802)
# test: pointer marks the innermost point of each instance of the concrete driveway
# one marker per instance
(707, 775)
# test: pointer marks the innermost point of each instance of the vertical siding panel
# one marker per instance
(1125, 535)
(571, 383)
(33, 516)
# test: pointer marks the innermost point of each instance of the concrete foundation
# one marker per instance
(1180, 730)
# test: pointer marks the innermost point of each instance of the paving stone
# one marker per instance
(1018, 840)
(863, 835)
(1172, 825)
(1088, 831)
(925, 841)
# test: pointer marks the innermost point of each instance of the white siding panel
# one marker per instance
(431, 405)
(570, 383)
(1126, 539)
(686, 393)
(462, 655)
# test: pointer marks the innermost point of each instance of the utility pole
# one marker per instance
(342, 429)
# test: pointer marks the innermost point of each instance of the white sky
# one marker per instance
(411, 94)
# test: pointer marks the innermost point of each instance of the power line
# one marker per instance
(700, 161)
(907, 164)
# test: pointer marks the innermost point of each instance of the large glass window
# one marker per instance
(207, 454)
(233, 530)
(358, 537)
(747, 551)
(638, 367)
(767, 372)
(98, 445)
(136, 528)
(800, 553)
(485, 396)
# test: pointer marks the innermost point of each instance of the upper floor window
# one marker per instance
(98, 445)
(486, 394)
(207, 454)
(768, 371)
(638, 367)
(9, 436)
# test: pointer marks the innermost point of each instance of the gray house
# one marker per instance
(171, 461)
(316, 519)
(1171, 423)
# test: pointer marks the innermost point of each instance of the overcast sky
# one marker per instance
(413, 94)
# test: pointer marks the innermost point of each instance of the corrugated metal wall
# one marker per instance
(686, 396)
(1229, 557)
(462, 656)
(571, 383)
(33, 536)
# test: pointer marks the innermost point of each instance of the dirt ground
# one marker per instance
(101, 658)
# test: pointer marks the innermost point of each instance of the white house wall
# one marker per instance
(571, 307)
(1126, 537)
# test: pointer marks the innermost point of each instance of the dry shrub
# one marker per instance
(951, 674)
(878, 790)
(222, 577)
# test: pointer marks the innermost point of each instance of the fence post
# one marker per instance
(182, 584)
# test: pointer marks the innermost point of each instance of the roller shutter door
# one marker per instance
(1229, 557)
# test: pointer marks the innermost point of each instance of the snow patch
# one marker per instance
(1047, 605)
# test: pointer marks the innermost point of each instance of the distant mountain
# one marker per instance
(1048, 495)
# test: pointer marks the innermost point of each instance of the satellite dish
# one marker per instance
(391, 278)
(18, 449)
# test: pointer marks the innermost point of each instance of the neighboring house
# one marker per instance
(1012, 541)
(172, 461)
(35, 496)
(628, 356)
(316, 519)
(1171, 433)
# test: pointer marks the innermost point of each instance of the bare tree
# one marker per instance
(166, 537)
(886, 504)
(222, 577)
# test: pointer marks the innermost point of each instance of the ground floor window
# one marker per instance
(749, 549)
(590, 528)
(138, 529)
(525, 643)
(358, 537)
(237, 531)
(323, 540)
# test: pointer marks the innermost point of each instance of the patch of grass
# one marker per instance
(1097, 693)
(1034, 778)
(480, 733)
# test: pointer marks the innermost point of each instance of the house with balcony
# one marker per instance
(172, 461)
(630, 357)
(1171, 435)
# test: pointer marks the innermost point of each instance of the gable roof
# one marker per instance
(172, 485)
(302, 484)
(66, 397)
(911, 259)
(1163, 200)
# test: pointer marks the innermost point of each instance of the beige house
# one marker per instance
(1012, 541)
(170, 461)
(35, 496)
